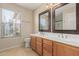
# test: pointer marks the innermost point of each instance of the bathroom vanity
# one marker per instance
(47, 46)
(65, 19)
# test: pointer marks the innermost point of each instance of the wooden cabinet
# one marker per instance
(33, 42)
(65, 50)
(39, 45)
(47, 47)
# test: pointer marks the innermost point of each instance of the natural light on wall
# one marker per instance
(10, 24)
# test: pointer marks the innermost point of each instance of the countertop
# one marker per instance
(68, 41)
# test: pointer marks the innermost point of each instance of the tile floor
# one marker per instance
(20, 51)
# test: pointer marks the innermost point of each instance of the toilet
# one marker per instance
(27, 42)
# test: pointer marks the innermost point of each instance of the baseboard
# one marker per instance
(19, 45)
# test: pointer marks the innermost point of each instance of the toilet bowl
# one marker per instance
(27, 42)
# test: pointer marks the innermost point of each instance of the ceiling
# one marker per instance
(31, 6)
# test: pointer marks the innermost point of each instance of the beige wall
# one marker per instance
(26, 26)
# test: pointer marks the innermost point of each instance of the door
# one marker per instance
(33, 42)
(39, 46)
(65, 50)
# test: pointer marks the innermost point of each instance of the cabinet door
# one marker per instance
(65, 50)
(39, 45)
(47, 47)
(33, 42)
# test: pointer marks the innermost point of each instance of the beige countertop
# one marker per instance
(72, 42)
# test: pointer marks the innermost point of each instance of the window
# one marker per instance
(10, 23)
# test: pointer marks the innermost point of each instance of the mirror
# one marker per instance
(66, 18)
(45, 21)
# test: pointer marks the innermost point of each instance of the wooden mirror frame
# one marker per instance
(49, 21)
(65, 31)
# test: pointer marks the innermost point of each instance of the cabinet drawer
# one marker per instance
(39, 50)
(39, 40)
(46, 53)
(39, 47)
(47, 47)
(39, 44)
(49, 42)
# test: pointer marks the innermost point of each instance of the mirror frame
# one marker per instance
(49, 21)
(65, 31)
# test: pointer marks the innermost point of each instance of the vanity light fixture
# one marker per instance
(51, 5)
